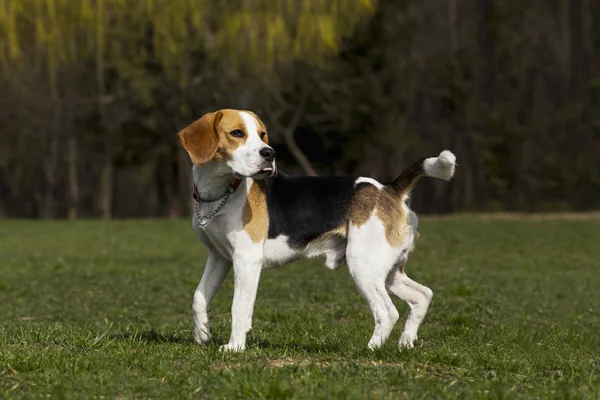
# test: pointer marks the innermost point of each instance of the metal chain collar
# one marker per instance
(202, 221)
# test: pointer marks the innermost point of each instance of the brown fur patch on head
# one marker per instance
(255, 216)
(387, 204)
(231, 121)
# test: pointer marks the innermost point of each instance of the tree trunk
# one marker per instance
(107, 175)
(173, 187)
(72, 167)
(50, 165)
(107, 185)
(290, 141)
(73, 181)
(185, 183)
(288, 135)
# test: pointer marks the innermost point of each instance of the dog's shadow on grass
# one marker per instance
(151, 336)
(315, 347)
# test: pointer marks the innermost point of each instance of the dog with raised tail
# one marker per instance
(251, 217)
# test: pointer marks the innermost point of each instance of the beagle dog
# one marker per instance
(251, 217)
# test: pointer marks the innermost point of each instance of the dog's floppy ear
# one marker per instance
(201, 138)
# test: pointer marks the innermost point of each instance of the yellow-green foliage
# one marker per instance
(248, 33)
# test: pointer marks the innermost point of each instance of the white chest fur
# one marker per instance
(221, 233)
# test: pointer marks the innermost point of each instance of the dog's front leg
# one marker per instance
(214, 274)
(245, 285)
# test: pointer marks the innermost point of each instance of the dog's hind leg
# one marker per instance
(214, 274)
(384, 311)
(369, 264)
(416, 296)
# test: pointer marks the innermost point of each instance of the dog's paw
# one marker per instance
(407, 341)
(374, 344)
(202, 335)
(229, 348)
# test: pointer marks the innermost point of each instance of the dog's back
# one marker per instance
(313, 216)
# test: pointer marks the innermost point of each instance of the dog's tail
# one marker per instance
(441, 167)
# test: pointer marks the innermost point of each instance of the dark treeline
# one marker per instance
(512, 87)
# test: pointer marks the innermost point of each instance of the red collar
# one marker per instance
(230, 189)
(235, 184)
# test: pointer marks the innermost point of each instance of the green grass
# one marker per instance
(103, 310)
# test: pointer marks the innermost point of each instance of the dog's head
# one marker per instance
(236, 139)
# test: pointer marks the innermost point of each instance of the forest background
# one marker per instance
(93, 92)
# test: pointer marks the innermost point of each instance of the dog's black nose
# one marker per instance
(267, 153)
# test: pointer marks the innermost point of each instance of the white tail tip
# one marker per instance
(441, 167)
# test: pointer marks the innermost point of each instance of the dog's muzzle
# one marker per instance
(267, 171)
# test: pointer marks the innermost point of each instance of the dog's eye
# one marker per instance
(237, 133)
(262, 135)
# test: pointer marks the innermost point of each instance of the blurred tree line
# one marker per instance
(92, 93)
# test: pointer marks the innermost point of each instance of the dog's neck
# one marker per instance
(212, 180)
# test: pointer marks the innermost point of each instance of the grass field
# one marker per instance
(103, 310)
